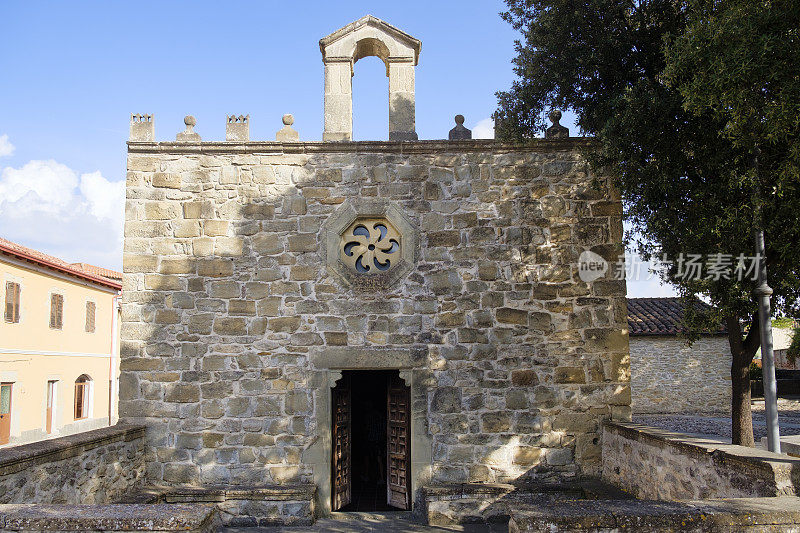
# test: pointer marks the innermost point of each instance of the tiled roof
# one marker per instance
(99, 271)
(99, 275)
(659, 316)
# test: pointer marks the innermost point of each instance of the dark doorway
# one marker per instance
(371, 437)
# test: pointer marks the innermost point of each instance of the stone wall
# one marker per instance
(233, 326)
(660, 465)
(669, 376)
(97, 466)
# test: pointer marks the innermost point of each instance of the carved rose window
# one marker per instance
(370, 246)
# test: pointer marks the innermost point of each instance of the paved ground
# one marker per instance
(719, 424)
(365, 522)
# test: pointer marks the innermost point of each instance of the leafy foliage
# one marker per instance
(783, 322)
(794, 348)
(755, 372)
(684, 165)
(695, 107)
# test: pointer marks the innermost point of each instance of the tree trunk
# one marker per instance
(742, 353)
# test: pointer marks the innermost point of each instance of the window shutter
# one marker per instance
(17, 301)
(52, 311)
(91, 309)
(9, 315)
(12, 302)
(56, 311)
(8, 302)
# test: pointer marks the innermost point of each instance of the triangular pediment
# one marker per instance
(368, 20)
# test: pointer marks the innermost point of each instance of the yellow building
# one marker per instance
(59, 345)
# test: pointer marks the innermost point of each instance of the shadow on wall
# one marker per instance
(401, 118)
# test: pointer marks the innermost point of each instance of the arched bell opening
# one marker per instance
(370, 47)
(370, 99)
(368, 37)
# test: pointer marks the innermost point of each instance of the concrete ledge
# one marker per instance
(271, 493)
(113, 517)
(25, 456)
(745, 514)
(463, 503)
(401, 147)
(240, 506)
(790, 445)
(657, 464)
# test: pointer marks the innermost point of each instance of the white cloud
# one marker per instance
(643, 282)
(6, 148)
(652, 288)
(483, 129)
(47, 206)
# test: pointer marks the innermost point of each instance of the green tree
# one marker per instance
(695, 111)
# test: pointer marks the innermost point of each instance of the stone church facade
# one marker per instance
(268, 284)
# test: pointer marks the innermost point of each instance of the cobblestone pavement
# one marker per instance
(719, 424)
(368, 522)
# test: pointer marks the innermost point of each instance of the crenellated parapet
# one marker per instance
(237, 129)
(142, 128)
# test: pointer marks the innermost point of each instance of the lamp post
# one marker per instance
(763, 291)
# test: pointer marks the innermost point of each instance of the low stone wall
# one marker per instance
(99, 518)
(667, 376)
(661, 465)
(93, 467)
(752, 515)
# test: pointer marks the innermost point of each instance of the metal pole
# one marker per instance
(763, 291)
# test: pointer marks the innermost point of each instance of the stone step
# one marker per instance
(753, 515)
(388, 522)
(131, 518)
(790, 445)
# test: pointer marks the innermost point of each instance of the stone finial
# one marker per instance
(188, 135)
(556, 130)
(460, 132)
(237, 128)
(142, 128)
(287, 133)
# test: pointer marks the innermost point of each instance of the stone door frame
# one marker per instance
(329, 365)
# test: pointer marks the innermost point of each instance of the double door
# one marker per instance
(398, 442)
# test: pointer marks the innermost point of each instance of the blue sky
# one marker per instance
(72, 72)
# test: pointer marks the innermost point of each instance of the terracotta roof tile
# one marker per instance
(85, 271)
(99, 271)
(659, 316)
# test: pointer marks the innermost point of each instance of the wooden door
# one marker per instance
(5, 412)
(51, 393)
(80, 401)
(398, 444)
(342, 463)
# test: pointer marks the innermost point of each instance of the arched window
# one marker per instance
(83, 396)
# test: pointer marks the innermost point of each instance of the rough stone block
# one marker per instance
(507, 315)
(303, 242)
(230, 326)
(167, 180)
(215, 268)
